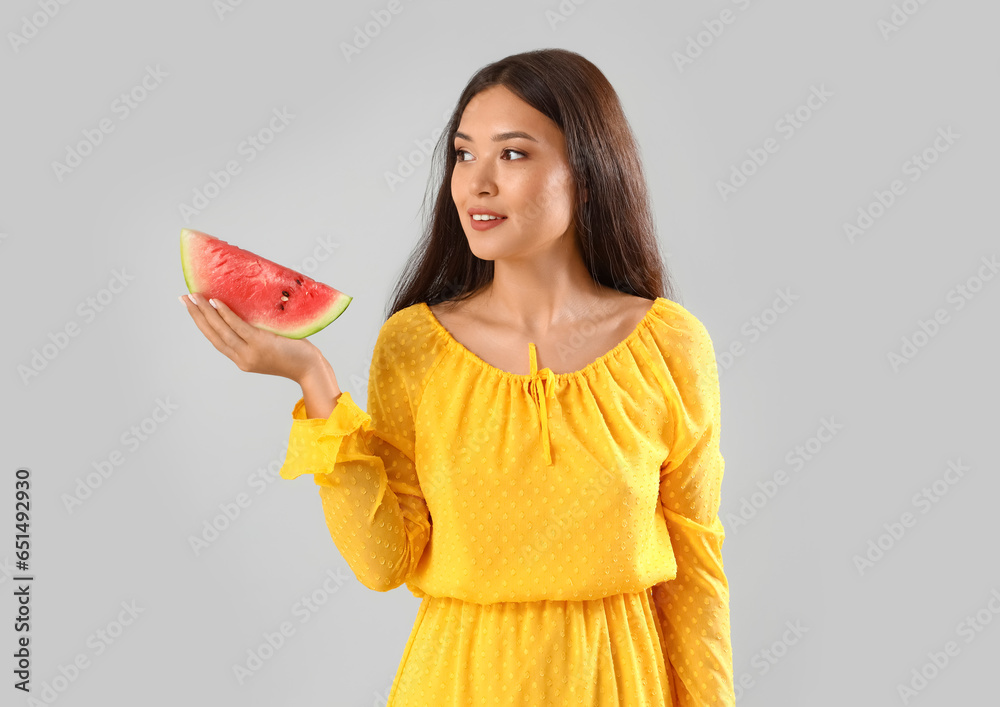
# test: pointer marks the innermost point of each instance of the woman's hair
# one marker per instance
(614, 225)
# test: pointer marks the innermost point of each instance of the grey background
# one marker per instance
(790, 559)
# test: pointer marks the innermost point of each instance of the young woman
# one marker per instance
(539, 460)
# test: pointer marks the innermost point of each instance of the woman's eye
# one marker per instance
(460, 153)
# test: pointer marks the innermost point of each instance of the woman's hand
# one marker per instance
(251, 348)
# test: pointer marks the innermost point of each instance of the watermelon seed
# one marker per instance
(282, 306)
(298, 281)
(284, 293)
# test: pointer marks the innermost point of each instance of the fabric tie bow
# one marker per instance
(541, 387)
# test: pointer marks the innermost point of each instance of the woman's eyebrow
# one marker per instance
(499, 136)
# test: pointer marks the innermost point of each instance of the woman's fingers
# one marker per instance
(234, 340)
(205, 327)
(242, 329)
(214, 327)
(250, 347)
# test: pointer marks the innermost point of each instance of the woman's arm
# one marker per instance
(319, 389)
(364, 466)
(695, 605)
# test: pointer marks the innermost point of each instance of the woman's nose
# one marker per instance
(482, 180)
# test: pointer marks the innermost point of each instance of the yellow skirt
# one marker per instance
(599, 652)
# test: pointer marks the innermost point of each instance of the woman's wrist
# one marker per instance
(319, 389)
(317, 369)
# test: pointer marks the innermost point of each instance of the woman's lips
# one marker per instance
(487, 224)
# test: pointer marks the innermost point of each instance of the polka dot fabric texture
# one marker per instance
(561, 529)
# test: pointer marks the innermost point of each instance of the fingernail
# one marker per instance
(193, 300)
(180, 298)
(212, 302)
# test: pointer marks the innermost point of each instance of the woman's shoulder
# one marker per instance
(407, 341)
(408, 325)
(681, 337)
(679, 320)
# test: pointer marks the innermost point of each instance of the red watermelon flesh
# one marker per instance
(260, 292)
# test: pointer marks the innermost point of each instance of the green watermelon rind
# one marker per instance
(335, 309)
(185, 262)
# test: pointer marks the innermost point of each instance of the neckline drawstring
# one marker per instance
(541, 379)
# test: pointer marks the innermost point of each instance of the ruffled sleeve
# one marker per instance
(363, 464)
(694, 607)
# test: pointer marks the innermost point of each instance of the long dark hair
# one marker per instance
(614, 225)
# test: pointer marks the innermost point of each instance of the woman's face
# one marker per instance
(525, 177)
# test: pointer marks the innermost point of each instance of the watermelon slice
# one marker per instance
(259, 291)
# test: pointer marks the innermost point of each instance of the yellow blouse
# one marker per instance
(539, 486)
